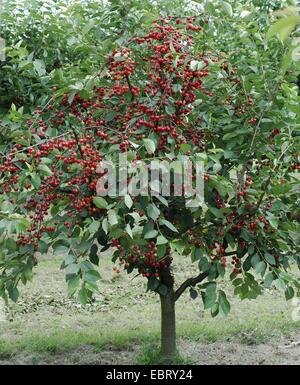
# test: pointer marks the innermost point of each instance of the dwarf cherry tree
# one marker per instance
(160, 96)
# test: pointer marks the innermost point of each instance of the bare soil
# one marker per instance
(232, 353)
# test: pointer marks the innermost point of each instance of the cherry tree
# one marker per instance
(161, 96)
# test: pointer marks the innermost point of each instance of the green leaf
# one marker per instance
(76, 232)
(13, 293)
(255, 259)
(162, 200)
(112, 217)
(274, 223)
(214, 311)
(35, 179)
(86, 266)
(83, 246)
(221, 269)
(73, 285)
(94, 227)
(45, 170)
(153, 212)
(151, 234)
(149, 145)
(270, 259)
(268, 280)
(197, 254)
(178, 246)
(92, 286)
(27, 274)
(73, 268)
(100, 202)
(221, 184)
(88, 27)
(161, 250)
(197, 65)
(184, 148)
(245, 13)
(193, 293)
(161, 240)
(128, 201)
(69, 259)
(60, 247)
(260, 267)
(129, 230)
(51, 131)
(170, 109)
(289, 293)
(224, 304)
(209, 7)
(280, 189)
(91, 276)
(105, 225)
(168, 224)
(282, 245)
(94, 258)
(204, 265)
(280, 284)
(43, 247)
(227, 8)
(177, 87)
(11, 245)
(83, 296)
(216, 212)
(210, 296)
(153, 283)
(39, 66)
(237, 282)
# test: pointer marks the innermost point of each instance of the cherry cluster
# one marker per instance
(145, 260)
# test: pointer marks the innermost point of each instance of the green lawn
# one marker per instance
(123, 314)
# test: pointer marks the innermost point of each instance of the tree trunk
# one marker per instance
(168, 325)
(168, 328)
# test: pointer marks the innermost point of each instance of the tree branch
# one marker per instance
(65, 191)
(130, 87)
(230, 253)
(189, 282)
(77, 141)
(195, 224)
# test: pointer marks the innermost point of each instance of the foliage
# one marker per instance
(251, 219)
(55, 44)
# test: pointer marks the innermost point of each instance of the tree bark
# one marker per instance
(168, 321)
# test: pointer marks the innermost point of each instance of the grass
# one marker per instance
(150, 355)
(123, 314)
